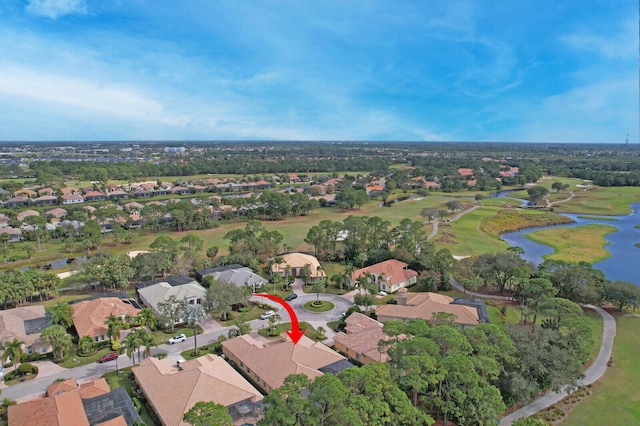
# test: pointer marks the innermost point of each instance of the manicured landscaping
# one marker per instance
(463, 237)
(577, 244)
(210, 348)
(163, 336)
(614, 400)
(75, 360)
(319, 306)
(310, 332)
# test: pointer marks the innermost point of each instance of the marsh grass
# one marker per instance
(577, 244)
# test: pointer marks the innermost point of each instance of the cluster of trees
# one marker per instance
(437, 371)
(253, 245)
(580, 283)
(18, 287)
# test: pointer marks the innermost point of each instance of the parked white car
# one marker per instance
(382, 293)
(267, 314)
(177, 339)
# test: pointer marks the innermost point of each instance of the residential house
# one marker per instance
(189, 292)
(72, 199)
(17, 201)
(268, 362)
(46, 191)
(25, 324)
(46, 200)
(465, 171)
(208, 378)
(141, 193)
(292, 263)
(89, 316)
(66, 404)
(239, 275)
(118, 194)
(25, 193)
(360, 342)
(390, 275)
(94, 196)
(424, 305)
(57, 212)
(15, 234)
(70, 191)
(26, 213)
(181, 190)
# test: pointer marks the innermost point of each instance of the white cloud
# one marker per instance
(55, 9)
(104, 98)
(623, 44)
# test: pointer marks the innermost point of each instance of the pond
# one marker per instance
(624, 263)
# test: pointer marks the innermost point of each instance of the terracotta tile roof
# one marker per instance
(26, 213)
(12, 324)
(299, 260)
(24, 191)
(208, 378)
(465, 172)
(69, 190)
(429, 184)
(65, 409)
(394, 272)
(92, 389)
(362, 336)
(424, 305)
(89, 316)
(118, 421)
(57, 212)
(274, 361)
(62, 387)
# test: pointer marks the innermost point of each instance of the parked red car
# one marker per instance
(109, 357)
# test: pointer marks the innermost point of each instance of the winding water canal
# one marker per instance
(624, 263)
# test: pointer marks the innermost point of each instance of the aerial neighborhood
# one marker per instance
(275, 285)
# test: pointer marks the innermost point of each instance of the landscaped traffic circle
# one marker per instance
(318, 306)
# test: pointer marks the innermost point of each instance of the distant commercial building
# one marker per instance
(174, 149)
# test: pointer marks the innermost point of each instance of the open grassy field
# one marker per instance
(603, 201)
(468, 239)
(615, 399)
(578, 244)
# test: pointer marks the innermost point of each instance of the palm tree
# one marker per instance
(114, 325)
(348, 272)
(13, 351)
(62, 314)
(59, 339)
(147, 317)
(140, 335)
(130, 343)
(318, 287)
(148, 341)
(194, 315)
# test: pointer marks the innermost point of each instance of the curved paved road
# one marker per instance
(434, 231)
(593, 373)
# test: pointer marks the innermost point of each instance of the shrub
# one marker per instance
(27, 368)
(86, 345)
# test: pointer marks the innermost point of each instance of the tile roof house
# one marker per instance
(465, 171)
(68, 404)
(208, 378)
(191, 293)
(25, 324)
(15, 234)
(237, 274)
(46, 200)
(17, 201)
(89, 316)
(95, 196)
(391, 275)
(72, 199)
(293, 262)
(57, 212)
(26, 213)
(70, 191)
(46, 191)
(360, 342)
(25, 192)
(424, 305)
(268, 363)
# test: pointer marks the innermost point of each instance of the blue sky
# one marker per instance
(501, 70)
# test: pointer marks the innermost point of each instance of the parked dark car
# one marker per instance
(237, 306)
(290, 297)
(109, 357)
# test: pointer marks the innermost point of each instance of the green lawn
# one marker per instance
(74, 360)
(325, 307)
(163, 336)
(577, 244)
(602, 201)
(310, 332)
(468, 239)
(615, 399)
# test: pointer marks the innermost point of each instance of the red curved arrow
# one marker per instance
(295, 334)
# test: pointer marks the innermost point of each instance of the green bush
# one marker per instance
(27, 368)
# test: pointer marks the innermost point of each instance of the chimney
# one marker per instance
(401, 297)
